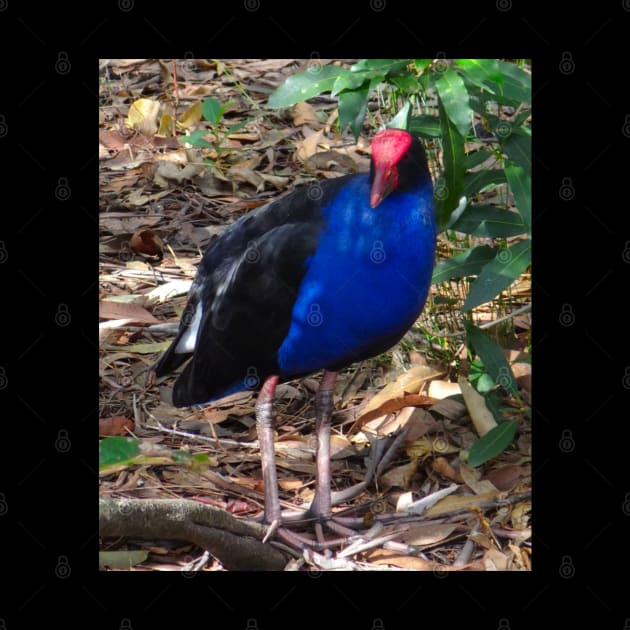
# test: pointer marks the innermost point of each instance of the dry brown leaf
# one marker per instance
(120, 310)
(308, 146)
(143, 115)
(291, 484)
(523, 374)
(247, 176)
(147, 242)
(408, 383)
(304, 113)
(481, 416)
(125, 222)
(507, 477)
(191, 116)
(452, 503)
(423, 447)
(279, 183)
(449, 408)
(392, 405)
(116, 425)
(472, 478)
(167, 172)
(443, 389)
(112, 140)
(427, 534)
(495, 560)
(399, 476)
(396, 559)
(441, 466)
(330, 160)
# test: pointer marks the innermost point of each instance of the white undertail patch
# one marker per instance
(188, 340)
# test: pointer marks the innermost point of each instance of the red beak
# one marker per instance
(384, 182)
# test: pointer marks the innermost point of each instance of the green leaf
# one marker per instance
(499, 273)
(407, 83)
(492, 443)
(212, 110)
(477, 181)
(425, 125)
(401, 119)
(476, 158)
(198, 139)
(518, 147)
(123, 559)
(516, 86)
(448, 194)
(381, 67)
(469, 263)
(485, 383)
(454, 97)
(304, 85)
(142, 348)
(492, 357)
(352, 106)
(489, 221)
(520, 183)
(238, 126)
(421, 64)
(483, 73)
(349, 81)
(116, 450)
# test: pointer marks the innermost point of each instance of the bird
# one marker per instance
(325, 276)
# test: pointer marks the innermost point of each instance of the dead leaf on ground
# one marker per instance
(472, 478)
(396, 559)
(466, 502)
(441, 466)
(116, 425)
(308, 147)
(400, 476)
(507, 477)
(443, 389)
(408, 383)
(427, 534)
(304, 113)
(481, 416)
(143, 115)
(119, 310)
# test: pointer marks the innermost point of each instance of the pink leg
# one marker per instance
(265, 417)
(321, 506)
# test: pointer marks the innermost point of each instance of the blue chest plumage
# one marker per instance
(367, 281)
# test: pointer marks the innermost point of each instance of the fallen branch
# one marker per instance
(235, 543)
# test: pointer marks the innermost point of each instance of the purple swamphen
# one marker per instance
(327, 275)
